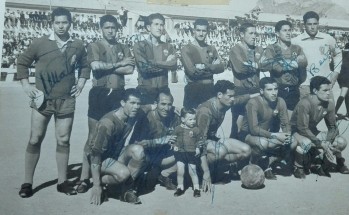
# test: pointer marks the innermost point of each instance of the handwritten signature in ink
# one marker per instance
(279, 60)
(324, 59)
(53, 79)
(313, 70)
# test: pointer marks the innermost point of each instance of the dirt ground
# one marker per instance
(286, 195)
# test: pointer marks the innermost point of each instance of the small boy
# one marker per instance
(187, 150)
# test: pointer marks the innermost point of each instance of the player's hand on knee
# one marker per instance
(326, 145)
(282, 137)
(334, 149)
(96, 195)
(329, 154)
(288, 140)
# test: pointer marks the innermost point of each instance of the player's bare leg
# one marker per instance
(39, 124)
(63, 128)
(274, 149)
(84, 183)
(302, 159)
(125, 171)
(229, 150)
(171, 167)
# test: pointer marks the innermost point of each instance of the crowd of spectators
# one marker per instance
(21, 26)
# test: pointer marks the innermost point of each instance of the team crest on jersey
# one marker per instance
(165, 52)
(294, 55)
(191, 134)
(120, 55)
(210, 54)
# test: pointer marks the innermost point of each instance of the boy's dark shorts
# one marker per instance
(187, 157)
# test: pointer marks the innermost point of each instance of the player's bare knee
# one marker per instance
(263, 144)
(36, 139)
(220, 154)
(137, 152)
(245, 151)
(63, 143)
(341, 143)
(122, 174)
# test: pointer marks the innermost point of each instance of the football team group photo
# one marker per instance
(181, 106)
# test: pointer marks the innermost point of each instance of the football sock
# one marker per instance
(347, 103)
(32, 156)
(339, 103)
(62, 159)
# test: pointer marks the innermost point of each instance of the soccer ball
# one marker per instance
(252, 177)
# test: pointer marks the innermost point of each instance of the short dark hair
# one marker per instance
(61, 11)
(310, 15)
(109, 18)
(153, 16)
(281, 23)
(185, 111)
(266, 80)
(317, 81)
(246, 25)
(166, 92)
(223, 85)
(131, 92)
(201, 22)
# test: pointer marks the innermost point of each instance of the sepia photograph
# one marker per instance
(166, 107)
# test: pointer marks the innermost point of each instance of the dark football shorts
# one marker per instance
(102, 100)
(58, 107)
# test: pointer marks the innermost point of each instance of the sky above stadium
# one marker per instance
(335, 9)
(327, 8)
